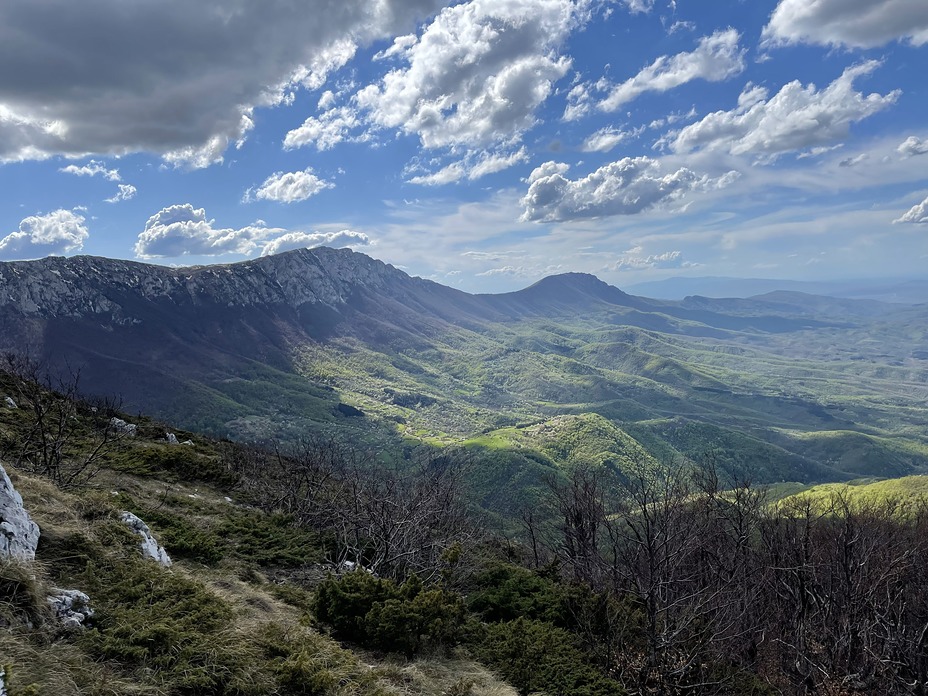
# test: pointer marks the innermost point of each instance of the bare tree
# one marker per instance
(64, 438)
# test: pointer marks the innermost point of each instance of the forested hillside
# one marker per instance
(316, 568)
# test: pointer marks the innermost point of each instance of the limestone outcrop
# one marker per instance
(19, 535)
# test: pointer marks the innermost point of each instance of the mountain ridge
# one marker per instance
(333, 339)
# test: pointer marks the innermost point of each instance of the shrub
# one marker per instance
(343, 602)
(380, 614)
(161, 621)
(537, 656)
(307, 664)
(506, 592)
(270, 540)
(180, 538)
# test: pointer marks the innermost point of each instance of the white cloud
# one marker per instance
(504, 270)
(854, 161)
(326, 130)
(626, 187)
(639, 6)
(633, 260)
(400, 45)
(578, 102)
(794, 119)
(92, 168)
(125, 193)
(917, 214)
(290, 187)
(681, 26)
(605, 139)
(853, 23)
(58, 232)
(912, 146)
(302, 240)
(182, 230)
(477, 73)
(716, 58)
(446, 175)
(474, 166)
(110, 77)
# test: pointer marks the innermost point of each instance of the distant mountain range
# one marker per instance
(790, 385)
(905, 291)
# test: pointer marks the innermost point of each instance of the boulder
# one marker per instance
(71, 607)
(120, 426)
(171, 438)
(10, 403)
(150, 546)
(19, 535)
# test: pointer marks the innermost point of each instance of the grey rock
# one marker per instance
(171, 438)
(120, 426)
(71, 607)
(19, 535)
(10, 403)
(88, 286)
(150, 547)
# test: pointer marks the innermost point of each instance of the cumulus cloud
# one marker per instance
(917, 214)
(477, 73)
(302, 240)
(290, 187)
(125, 193)
(110, 77)
(796, 118)
(58, 232)
(327, 130)
(852, 23)
(912, 146)
(474, 166)
(92, 168)
(626, 187)
(182, 230)
(716, 58)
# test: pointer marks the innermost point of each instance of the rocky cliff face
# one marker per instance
(86, 286)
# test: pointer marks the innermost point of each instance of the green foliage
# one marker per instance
(535, 656)
(380, 614)
(182, 462)
(506, 592)
(158, 620)
(344, 602)
(307, 664)
(181, 538)
(269, 540)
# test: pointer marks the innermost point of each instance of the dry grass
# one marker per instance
(428, 676)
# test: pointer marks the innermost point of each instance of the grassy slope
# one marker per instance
(230, 616)
(905, 492)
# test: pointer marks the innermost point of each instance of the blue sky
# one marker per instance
(482, 144)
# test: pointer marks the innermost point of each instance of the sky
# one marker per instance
(481, 144)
